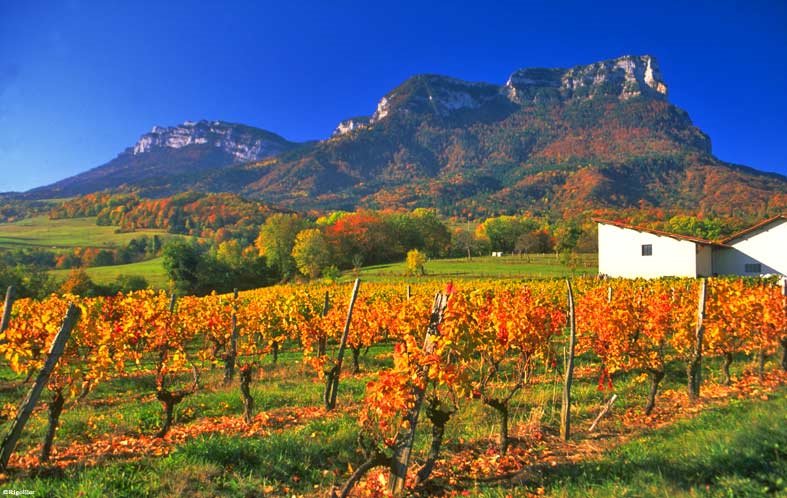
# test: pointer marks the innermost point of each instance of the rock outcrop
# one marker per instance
(244, 143)
(625, 77)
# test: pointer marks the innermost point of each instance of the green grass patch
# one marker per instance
(534, 266)
(219, 465)
(152, 270)
(732, 451)
(43, 233)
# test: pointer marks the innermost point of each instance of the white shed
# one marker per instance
(629, 251)
(758, 250)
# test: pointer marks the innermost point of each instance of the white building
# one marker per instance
(629, 251)
(758, 250)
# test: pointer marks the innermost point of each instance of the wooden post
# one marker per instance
(333, 380)
(695, 363)
(229, 364)
(9, 302)
(565, 407)
(408, 292)
(55, 350)
(604, 411)
(609, 294)
(403, 446)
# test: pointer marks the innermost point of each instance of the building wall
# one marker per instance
(704, 260)
(620, 254)
(767, 246)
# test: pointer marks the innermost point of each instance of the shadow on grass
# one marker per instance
(305, 453)
(738, 450)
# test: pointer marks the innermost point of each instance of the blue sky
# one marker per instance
(80, 81)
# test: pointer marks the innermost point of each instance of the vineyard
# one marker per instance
(373, 388)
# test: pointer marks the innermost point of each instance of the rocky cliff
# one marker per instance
(172, 159)
(244, 143)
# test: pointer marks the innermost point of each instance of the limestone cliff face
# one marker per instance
(625, 77)
(350, 125)
(244, 143)
(171, 159)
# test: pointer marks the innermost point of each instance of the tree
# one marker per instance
(78, 282)
(29, 281)
(277, 239)
(365, 234)
(230, 252)
(182, 261)
(691, 225)
(587, 242)
(195, 270)
(466, 243)
(415, 262)
(503, 231)
(535, 242)
(421, 229)
(311, 252)
(567, 237)
(130, 283)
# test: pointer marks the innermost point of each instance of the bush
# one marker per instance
(331, 273)
(415, 262)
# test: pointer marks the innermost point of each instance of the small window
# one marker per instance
(753, 268)
(647, 249)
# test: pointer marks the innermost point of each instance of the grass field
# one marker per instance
(735, 448)
(41, 232)
(540, 265)
(739, 450)
(152, 270)
(535, 266)
(63, 235)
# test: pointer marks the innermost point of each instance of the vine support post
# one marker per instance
(55, 409)
(603, 412)
(9, 303)
(26, 409)
(332, 379)
(695, 363)
(565, 407)
(405, 438)
(232, 353)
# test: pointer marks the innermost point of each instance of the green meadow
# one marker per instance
(486, 267)
(151, 269)
(61, 235)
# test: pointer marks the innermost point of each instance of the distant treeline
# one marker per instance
(13, 209)
(213, 216)
(244, 243)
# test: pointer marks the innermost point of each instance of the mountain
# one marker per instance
(173, 159)
(602, 135)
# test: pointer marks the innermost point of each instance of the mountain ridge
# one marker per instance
(167, 154)
(558, 139)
